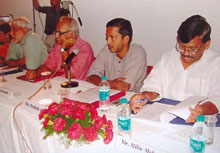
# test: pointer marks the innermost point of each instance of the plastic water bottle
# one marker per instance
(124, 118)
(198, 136)
(104, 92)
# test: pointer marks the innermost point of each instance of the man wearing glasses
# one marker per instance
(190, 69)
(68, 39)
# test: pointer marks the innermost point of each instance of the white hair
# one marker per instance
(22, 22)
(71, 23)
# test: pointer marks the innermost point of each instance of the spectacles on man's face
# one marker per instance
(61, 33)
(192, 50)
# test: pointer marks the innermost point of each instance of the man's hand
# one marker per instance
(31, 74)
(68, 43)
(207, 108)
(41, 69)
(119, 84)
(194, 113)
(137, 106)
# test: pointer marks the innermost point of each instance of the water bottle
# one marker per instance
(198, 136)
(124, 118)
(104, 92)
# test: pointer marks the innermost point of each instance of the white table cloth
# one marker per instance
(149, 135)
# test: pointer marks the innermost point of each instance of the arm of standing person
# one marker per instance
(36, 4)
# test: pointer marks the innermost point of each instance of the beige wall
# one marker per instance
(154, 22)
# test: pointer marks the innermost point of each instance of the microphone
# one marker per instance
(70, 84)
(70, 57)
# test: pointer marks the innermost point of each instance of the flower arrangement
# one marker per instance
(75, 121)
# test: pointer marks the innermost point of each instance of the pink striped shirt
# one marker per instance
(80, 63)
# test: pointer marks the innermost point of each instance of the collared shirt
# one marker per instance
(132, 67)
(171, 80)
(52, 18)
(32, 48)
(80, 63)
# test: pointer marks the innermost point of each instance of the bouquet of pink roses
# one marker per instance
(75, 121)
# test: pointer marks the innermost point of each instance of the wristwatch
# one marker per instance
(63, 49)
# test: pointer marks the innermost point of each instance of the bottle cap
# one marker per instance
(104, 78)
(200, 118)
(123, 101)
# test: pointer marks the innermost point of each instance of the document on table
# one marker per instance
(182, 109)
(92, 95)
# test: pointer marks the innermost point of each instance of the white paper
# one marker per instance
(91, 95)
(182, 109)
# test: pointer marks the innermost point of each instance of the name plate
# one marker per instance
(34, 107)
(125, 144)
(7, 92)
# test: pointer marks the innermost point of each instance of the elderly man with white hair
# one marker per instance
(26, 49)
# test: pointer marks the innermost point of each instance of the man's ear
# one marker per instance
(207, 44)
(126, 39)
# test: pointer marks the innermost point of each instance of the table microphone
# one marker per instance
(70, 84)
(70, 57)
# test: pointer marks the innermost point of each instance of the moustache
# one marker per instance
(188, 56)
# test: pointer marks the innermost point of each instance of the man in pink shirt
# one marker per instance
(67, 39)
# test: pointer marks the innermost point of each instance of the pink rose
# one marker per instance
(68, 103)
(109, 136)
(59, 124)
(75, 131)
(79, 114)
(98, 123)
(81, 106)
(53, 108)
(46, 122)
(104, 119)
(66, 110)
(93, 112)
(90, 134)
(109, 125)
(42, 112)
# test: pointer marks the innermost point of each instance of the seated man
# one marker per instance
(190, 69)
(26, 48)
(68, 39)
(5, 39)
(123, 63)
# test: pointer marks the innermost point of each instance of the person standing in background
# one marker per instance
(53, 13)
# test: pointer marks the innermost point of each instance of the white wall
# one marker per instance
(154, 22)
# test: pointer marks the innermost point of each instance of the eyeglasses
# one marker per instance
(191, 50)
(61, 33)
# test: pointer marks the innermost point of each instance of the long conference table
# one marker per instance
(149, 134)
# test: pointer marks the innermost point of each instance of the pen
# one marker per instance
(140, 100)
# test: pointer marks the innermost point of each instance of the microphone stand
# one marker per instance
(69, 84)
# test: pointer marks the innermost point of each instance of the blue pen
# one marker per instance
(140, 100)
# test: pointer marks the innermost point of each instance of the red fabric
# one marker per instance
(4, 50)
(149, 68)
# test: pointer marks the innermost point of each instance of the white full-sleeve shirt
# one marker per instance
(169, 78)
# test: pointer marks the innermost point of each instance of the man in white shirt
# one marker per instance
(191, 69)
